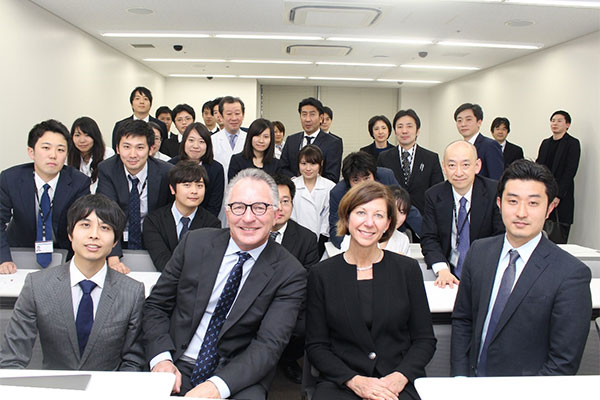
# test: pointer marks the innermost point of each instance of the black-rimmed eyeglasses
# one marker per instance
(238, 208)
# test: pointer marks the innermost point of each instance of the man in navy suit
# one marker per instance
(468, 119)
(523, 305)
(138, 183)
(500, 129)
(311, 115)
(24, 187)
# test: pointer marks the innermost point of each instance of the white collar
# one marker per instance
(233, 248)
(473, 138)
(525, 251)
(77, 276)
(312, 135)
(39, 182)
(458, 196)
(142, 175)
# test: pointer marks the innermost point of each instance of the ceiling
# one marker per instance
(433, 22)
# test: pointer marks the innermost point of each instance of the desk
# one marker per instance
(502, 388)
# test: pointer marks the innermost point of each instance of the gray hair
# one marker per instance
(254, 174)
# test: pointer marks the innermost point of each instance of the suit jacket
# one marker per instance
(545, 323)
(171, 145)
(301, 243)
(18, 216)
(511, 153)
(426, 172)
(160, 232)
(372, 150)
(490, 154)
(222, 149)
(163, 132)
(564, 167)
(338, 342)
(331, 147)
(485, 219)
(45, 306)
(239, 162)
(259, 323)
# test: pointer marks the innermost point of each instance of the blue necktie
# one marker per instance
(232, 139)
(85, 314)
(508, 279)
(185, 221)
(44, 226)
(463, 236)
(135, 226)
(208, 358)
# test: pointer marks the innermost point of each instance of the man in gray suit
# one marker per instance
(227, 301)
(88, 316)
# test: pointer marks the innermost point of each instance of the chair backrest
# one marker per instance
(25, 258)
(138, 260)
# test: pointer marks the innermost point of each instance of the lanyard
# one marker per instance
(44, 217)
(459, 231)
(143, 186)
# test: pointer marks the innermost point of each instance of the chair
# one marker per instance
(25, 258)
(138, 260)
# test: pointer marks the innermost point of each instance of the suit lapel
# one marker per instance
(27, 192)
(63, 190)
(381, 278)
(395, 165)
(445, 203)
(349, 287)
(171, 228)
(153, 184)
(479, 199)
(417, 164)
(289, 240)
(121, 185)
(65, 304)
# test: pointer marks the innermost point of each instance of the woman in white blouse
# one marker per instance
(88, 149)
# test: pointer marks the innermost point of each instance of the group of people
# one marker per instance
(232, 303)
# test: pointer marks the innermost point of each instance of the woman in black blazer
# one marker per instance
(259, 150)
(368, 326)
(380, 129)
(196, 145)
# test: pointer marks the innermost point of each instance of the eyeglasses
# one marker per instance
(239, 208)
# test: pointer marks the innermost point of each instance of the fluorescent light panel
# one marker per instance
(331, 78)
(267, 37)
(354, 64)
(271, 77)
(272, 62)
(205, 60)
(489, 45)
(449, 67)
(377, 40)
(155, 35)
(407, 80)
(201, 76)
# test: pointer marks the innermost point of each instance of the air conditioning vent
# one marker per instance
(142, 46)
(318, 50)
(334, 16)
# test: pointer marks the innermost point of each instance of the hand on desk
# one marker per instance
(8, 267)
(168, 366)
(371, 388)
(207, 390)
(115, 263)
(445, 278)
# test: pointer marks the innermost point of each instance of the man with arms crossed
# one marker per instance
(523, 305)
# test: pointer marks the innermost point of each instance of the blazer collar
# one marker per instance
(480, 198)
(63, 288)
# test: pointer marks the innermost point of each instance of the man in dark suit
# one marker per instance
(560, 153)
(226, 304)
(166, 226)
(165, 114)
(138, 183)
(35, 197)
(500, 130)
(88, 316)
(141, 101)
(523, 305)
(416, 168)
(457, 212)
(311, 115)
(326, 123)
(468, 119)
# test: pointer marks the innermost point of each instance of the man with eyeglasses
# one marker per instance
(226, 303)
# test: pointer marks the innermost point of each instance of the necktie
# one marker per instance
(185, 221)
(208, 357)
(508, 279)
(463, 240)
(44, 226)
(135, 225)
(274, 235)
(309, 140)
(232, 139)
(406, 166)
(85, 314)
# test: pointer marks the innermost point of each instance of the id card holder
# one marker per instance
(454, 257)
(45, 246)
(126, 236)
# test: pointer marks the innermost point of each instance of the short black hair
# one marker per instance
(181, 108)
(476, 108)
(411, 113)
(358, 164)
(285, 180)
(279, 125)
(328, 111)
(163, 110)
(527, 170)
(215, 102)
(375, 119)
(205, 134)
(402, 198)
(500, 121)
(51, 125)
(311, 154)
(187, 171)
(256, 128)
(311, 101)
(106, 209)
(231, 100)
(563, 113)
(135, 128)
(207, 106)
(142, 90)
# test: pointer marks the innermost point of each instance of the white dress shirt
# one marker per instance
(39, 185)
(76, 292)
(281, 232)
(85, 168)
(411, 156)
(142, 190)
(312, 135)
(311, 209)
(177, 217)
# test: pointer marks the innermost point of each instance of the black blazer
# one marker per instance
(259, 324)
(426, 172)
(239, 162)
(163, 132)
(338, 342)
(18, 216)
(564, 167)
(490, 154)
(545, 323)
(160, 232)
(485, 219)
(170, 146)
(371, 149)
(301, 243)
(331, 147)
(511, 153)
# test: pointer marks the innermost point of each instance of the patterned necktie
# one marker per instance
(508, 280)
(274, 235)
(85, 314)
(406, 166)
(185, 221)
(464, 236)
(309, 140)
(232, 139)
(44, 226)
(208, 358)
(135, 225)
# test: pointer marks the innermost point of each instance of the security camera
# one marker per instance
(423, 54)
(210, 78)
(177, 47)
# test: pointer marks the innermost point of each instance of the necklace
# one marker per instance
(364, 268)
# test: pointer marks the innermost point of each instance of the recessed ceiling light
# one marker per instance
(271, 77)
(379, 40)
(155, 35)
(140, 11)
(267, 37)
(407, 80)
(201, 76)
(518, 23)
(205, 60)
(272, 62)
(354, 64)
(416, 66)
(490, 45)
(331, 78)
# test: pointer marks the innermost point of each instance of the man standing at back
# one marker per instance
(229, 140)
(523, 305)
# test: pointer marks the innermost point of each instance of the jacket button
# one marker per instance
(372, 355)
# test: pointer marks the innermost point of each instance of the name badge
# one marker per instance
(454, 257)
(44, 247)
(126, 236)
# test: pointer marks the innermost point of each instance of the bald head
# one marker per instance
(460, 146)
(461, 165)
